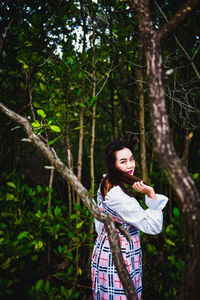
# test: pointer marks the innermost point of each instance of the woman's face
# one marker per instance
(125, 161)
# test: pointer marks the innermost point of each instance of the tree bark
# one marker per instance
(172, 165)
(80, 149)
(93, 95)
(69, 176)
(145, 176)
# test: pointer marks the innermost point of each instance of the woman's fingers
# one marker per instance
(141, 187)
(138, 185)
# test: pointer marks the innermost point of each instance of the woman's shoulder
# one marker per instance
(116, 191)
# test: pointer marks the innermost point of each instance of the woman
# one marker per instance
(115, 198)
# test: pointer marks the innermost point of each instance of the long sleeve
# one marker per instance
(149, 220)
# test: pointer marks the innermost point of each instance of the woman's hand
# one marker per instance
(140, 187)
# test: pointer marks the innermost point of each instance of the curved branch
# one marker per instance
(177, 19)
(181, 46)
(69, 176)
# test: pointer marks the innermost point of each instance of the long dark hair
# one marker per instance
(114, 175)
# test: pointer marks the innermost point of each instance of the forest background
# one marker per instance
(76, 70)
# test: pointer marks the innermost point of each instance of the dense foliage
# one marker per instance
(48, 74)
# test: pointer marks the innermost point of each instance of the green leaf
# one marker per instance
(93, 102)
(81, 104)
(70, 235)
(11, 197)
(11, 184)
(78, 127)
(38, 214)
(176, 212)
(43, 87)
(47, 286)
(79, 271)
(55, 128)
(63, 291)
(39, 285)
(195, 175)
(70, 269)
(60, 249)
(29, 44)
(36, 124)
(39, 188)
(25, 67)
(78, 207)
(54, 140)
(169, 228)
(41, 113)
(78, 225)
(57, 211)
(170, 242)
(73, 216)
(38, 245)
(6, 263)
(22, 235)
(151, 249)
(80, 75)
(20, 60)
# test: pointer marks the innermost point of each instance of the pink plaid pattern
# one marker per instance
(106, 284)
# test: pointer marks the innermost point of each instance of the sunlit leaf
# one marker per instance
(79, 225)
(11, 184)
(41, 113)
(55, 128)
(39, 245)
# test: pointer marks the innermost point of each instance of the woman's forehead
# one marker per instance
(124, 153)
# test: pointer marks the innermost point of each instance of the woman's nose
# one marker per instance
(129, 164)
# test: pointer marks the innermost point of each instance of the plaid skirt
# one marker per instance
(106, 284)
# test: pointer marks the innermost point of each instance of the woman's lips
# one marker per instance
(130, 172)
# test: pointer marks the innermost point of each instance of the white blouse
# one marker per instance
(148, 220)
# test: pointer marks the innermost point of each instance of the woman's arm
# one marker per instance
(129, 210)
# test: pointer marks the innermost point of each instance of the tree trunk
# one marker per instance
(93, 95)
(81, 117)
(69, 155)
(173, 167)
(142, 123)
(80, 148)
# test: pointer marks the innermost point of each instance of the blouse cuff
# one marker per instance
(157, 204)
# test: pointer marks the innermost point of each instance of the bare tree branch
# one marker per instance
(177, 19)
(69, 176)
(181, 46)
(171, 25)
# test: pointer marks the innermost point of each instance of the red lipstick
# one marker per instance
(130, 172)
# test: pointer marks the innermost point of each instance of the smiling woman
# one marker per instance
(116, 199)
(125, 161)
